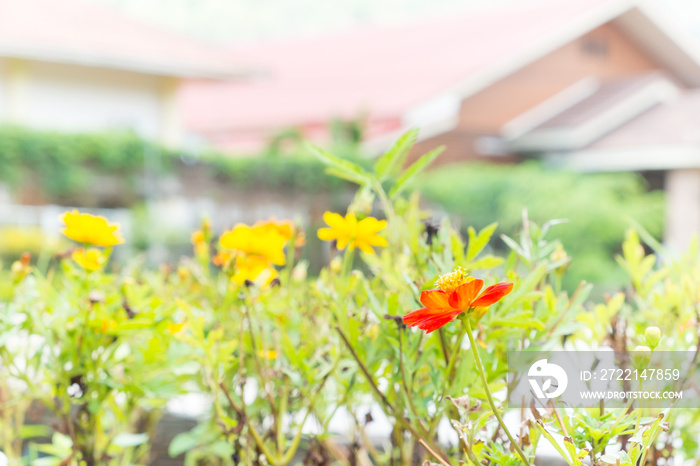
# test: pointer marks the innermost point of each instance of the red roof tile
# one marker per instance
(382, 72)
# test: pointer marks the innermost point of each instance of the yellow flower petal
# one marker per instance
(261, 240)
(327, 234)
(348, 232)
(255, 269)
(91, 260)
(334, 220)
(91, 229)
(364, 246)
(377, 240)
(370, 225)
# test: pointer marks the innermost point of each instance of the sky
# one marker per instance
(245, 21)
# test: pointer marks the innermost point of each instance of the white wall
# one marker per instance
(77, 98)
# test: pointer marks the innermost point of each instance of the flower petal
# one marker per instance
(435, 299)
(342, 242)
(364, 246)
(334, 220)
(430, 319)
(370, 225)
(376, 240)
(327, 234)
(464, 294)
(492, 294)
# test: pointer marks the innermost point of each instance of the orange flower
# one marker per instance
(457, 294)
(222, 258)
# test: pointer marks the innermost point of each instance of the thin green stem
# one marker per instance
(639, 409)
(482, 374)
(406, 423)
(348, 256)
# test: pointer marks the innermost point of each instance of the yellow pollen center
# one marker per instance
(449, 281)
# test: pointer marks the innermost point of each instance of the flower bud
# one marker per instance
(299, 272)
(653, 336)
(641, 356)
(336, 264)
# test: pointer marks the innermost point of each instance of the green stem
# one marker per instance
(482, 374)
(452, 361)
(639, 409)
(348, 256)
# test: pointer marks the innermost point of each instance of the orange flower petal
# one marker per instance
(492, 294)
(464, 294)
(434, 299)
(430, 319)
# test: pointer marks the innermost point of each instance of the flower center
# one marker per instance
(449, 281)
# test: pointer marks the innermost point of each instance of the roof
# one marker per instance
(599, 108)
(82, 33)
(385, 74)
(665, 137)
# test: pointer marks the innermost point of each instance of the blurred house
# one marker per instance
(74, 66)
(593, 84)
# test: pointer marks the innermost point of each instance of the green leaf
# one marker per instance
(393, 160)
(182, 443)
(414, 170)
(512, 244)
(130, 440)
(48, 461)
(340, 167)
(345, 175)
(31, 431)
(478, 242)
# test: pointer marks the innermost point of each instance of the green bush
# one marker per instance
(63, 165)
(598, 208)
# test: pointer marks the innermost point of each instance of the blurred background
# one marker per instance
(157, 113)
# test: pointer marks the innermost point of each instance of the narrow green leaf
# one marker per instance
(478, 242)
(395, 157)
(350, 171)
(414, 170)
(130, 440)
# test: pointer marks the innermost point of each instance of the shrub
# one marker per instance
(276, 351)
(598, 208)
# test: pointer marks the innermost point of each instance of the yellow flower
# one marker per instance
(176, 329)
(198, 237)
(222, 258)
(284, 227)
(91, 259)
(199, 241)
(264, 239)
(21, 268)
(349, 232)
(255, 269)
(91, 229)
(269, 354)
(108, 325)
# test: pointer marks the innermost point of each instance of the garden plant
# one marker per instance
(409, 323)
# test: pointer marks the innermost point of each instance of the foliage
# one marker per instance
(598, 208)
(279, 354)
(62, 165)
